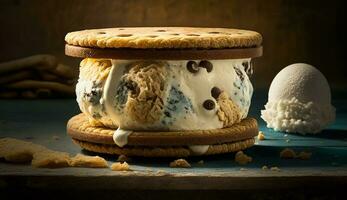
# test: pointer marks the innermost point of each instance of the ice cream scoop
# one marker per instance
(299, 101)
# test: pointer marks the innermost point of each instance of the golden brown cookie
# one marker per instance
(165, 43)
(164, 37)
(163, 144)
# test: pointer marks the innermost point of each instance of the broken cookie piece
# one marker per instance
(18, 151)
(120, 166)
(180, 163)
(287, 153)
(50, 159)
(242, 158)
(81, 160)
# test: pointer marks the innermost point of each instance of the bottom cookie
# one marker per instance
(179, 151)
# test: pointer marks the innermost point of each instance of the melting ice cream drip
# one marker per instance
(120, 136)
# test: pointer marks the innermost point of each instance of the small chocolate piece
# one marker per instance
(209, 104)
(192, 66)
(207, 65)
(215, 92)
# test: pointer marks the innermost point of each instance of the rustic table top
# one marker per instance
(44, 121)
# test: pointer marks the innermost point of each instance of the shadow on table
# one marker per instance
(334, 134)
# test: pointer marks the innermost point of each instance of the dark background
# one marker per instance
(293, 30)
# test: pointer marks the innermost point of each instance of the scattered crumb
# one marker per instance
(276, 169)
(285, 135)
(81, 160)
(242, 158)
(55, 137)
(287, 153)
(120, 166)
(304, 155)
(265, 167)
(180, 163)
(243, 169)
(261, 136)
(288, 140)
(201, 162)
(123, 158)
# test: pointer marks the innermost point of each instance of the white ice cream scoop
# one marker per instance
(299, 101)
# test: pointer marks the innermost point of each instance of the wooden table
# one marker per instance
(44, 121)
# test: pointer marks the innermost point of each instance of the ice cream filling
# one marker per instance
(298, 117)
(165, 95)
(199, 149)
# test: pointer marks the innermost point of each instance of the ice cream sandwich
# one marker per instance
(164, 91)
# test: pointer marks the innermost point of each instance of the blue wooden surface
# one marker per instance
(39, 120)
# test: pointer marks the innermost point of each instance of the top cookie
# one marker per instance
(165, 38)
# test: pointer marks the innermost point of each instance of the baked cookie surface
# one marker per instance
(164, 38)
(161, 143)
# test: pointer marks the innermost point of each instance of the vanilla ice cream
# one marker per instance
(164, 95)
(299, 101)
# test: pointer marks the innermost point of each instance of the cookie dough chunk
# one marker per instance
(89, 89)
(88, 161)
(146, 81)
(228, 111)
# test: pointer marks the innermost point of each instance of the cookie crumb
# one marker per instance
(264, 167)
(275, 169)
(285, 135)
(201, 162)
(287, 153)
(120, 166)
(55, 137)
(243, 169)
(288, 140)
(81, 160)
(261, 136)
(242, 158)
(304, 155)
(123, 158)
(180, 163)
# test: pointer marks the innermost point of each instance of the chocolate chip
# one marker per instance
(167, 114)
(124, 35)
(192, 34)
(215, 92)
(208, 104)
(206, 64)
(101, 32)
(192, 66)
